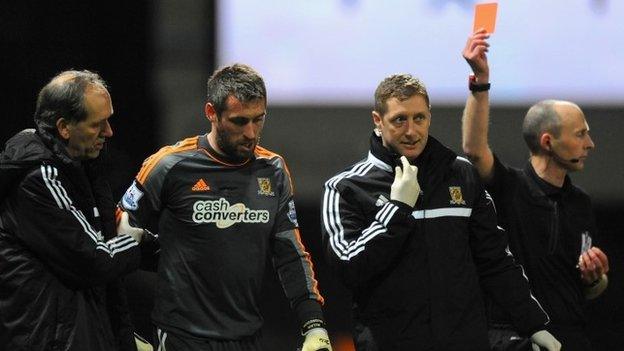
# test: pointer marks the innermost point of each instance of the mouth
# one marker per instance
(410, 144)
(248, 146)
(99, 145)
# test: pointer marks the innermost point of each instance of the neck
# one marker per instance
(548, 169)
(222, 156)
(212, 140)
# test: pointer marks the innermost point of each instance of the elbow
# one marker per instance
(472, 153)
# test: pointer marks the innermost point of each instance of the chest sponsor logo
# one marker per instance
(130, 200)
(264, 187)
(224, 215)
(456, 195)
(200, 185)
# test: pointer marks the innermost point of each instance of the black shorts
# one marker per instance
(172, 342)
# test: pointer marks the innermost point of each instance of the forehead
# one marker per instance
(571, 116)
(413, 105)
(98, 103)
(235, 106)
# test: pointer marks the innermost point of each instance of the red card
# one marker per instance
(485, 16)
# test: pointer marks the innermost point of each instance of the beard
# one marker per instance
(230, 149)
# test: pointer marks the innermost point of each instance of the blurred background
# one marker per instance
(322, 62)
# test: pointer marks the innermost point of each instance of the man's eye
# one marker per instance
(240, 121)
(400, 119)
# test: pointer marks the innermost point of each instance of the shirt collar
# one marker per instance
(547, 188)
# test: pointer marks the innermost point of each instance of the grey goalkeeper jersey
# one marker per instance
(217, 223)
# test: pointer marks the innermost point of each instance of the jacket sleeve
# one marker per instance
(357, 246)
(61, 236)
(291, 260)
(498, 185)
(500, 276)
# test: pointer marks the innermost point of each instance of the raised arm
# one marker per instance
(476, 113)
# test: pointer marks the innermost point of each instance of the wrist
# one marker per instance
(482, 78)
(595, 282)
(478, 83)
(596, 288)
(312, 324)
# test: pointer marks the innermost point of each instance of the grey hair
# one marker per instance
(541, 118)
(63, 97)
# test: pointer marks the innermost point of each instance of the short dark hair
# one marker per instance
(238, 80)
(63, 97)
(401, 86)
(541, 118)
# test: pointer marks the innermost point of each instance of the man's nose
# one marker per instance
(590, 144)
(249, 131)
(108, 130)
(412, 127)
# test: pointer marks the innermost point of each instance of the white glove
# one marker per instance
(405, 187)
(546, 340)
(142, 344)
(316, 339)
(125, 228)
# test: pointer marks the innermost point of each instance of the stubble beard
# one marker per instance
(229, 149)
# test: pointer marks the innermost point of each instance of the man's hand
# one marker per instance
(405, 187)
(546, 340)
(474, 53)
(125, 228)
(594, 266)
(593, 263)
(316, 339)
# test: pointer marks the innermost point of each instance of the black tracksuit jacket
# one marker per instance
(60, 258)
(418, 275)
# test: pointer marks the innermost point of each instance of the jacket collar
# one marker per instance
(433, 155)
(433, 163)
(539, 187)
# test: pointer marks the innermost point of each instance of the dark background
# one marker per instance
(140, 46)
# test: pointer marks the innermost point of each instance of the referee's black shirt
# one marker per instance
(547, 227)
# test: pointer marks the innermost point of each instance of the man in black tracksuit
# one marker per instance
(60, 255)
(416, 240)
(548, 220)
(224, 205)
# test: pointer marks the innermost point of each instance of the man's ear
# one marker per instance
(546, 142)
(63, 128)
(377, 118)
(210, 112)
